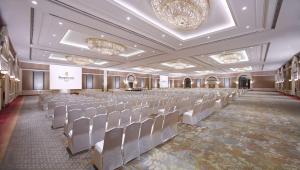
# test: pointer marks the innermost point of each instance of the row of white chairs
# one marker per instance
(121, 145)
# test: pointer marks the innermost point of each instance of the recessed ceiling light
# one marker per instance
(248, 26)
(180, 44)
(163, 35)
(31, 45)
(135, 45)
(53, 35)
(60, 23)
(208, 37)
(34, 2)
(102, 35)
(153, 51)
(128, 18)
(244, 8)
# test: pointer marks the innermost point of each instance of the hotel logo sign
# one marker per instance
(66, 77)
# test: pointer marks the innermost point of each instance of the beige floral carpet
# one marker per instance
(260, 130)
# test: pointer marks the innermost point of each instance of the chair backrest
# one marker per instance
(60, 110)
(132, 132)
(110, 108)
(171, 119)
(158, 123)
(113, 119)
(81, 126)
(146, 127)
(135, 115)
(145, 112)
(125, 117)
(90, 112)
(113, 139)
(73, 107)
(101, 110)
(74, 114)
(98, 128)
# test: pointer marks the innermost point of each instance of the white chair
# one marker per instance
(110, 108)
(71, 116)
(157, 130)
(107, 154)
(191, 117)
(113, 119)
(135, 115)
(79, 139)
(101, 110)
(145, 141)
(90, 112)
(98, 128)
(125, 117)
(170, 126)
(59, 117)
(73, 107)
(131, 142)
(145, 112)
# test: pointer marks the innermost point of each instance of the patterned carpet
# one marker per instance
(260, 130)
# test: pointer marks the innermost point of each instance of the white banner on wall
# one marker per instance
(163, 81)
(65, 77)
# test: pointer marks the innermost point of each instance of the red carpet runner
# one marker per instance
(8, 119)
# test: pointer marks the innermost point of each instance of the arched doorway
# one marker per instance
(212, 82)
(187, 83)
(244, 82)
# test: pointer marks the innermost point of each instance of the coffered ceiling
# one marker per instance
(266, 31)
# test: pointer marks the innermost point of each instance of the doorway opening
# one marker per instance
(211, 82)
(187, 83)
(244, 82)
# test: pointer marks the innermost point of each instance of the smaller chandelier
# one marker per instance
(182, 14)
(105, 47)
(79, 60)
(231, 58)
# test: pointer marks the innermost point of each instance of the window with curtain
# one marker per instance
(38, 80)
(89, 81)
(117, 82)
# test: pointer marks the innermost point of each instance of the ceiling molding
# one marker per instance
(59, 3)
(276, 14)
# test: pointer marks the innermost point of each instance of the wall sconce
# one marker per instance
(290, 80)
(205, 82)
(17, 79)
(236, 82)
(135, 82)
(125, 81)
(192, 82)
(217, 82)
(251, 81)
(12, 77)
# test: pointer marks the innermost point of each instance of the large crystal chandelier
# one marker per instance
(183, 14)
(105, 47)
(79, 60)
(230, 58)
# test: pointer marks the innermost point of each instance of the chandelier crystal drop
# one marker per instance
(105, 47)
(231, 58)
(79, 60)
(182, 14)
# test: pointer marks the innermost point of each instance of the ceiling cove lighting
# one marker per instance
(105, 47)
(204, 72)
(146, 69)
(182, 36)
(182, 14)
(80, 60)
(100, 63)
(178, 65)
(177, 74)
(54, 57)
(132, 54)
(230, 57)
(243, 69)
